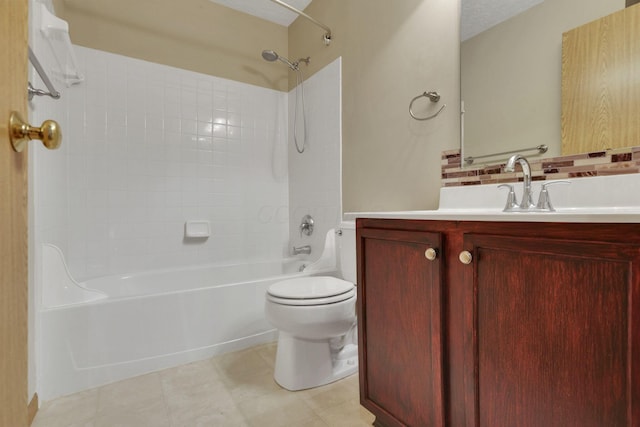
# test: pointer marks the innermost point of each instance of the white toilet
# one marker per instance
(316, 320)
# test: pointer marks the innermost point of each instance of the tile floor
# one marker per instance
(235, 389)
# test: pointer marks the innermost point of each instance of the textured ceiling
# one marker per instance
(480, 15)
(477, 15)
(266, 9)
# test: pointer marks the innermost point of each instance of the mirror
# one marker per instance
(511, 72)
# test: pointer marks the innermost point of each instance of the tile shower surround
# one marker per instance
(147, 147)
(599, 163)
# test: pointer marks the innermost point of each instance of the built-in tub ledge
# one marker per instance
(58, 286)
(597, 199)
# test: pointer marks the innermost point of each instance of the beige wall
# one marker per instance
(511, 77)
(196, 35)
(390, 53)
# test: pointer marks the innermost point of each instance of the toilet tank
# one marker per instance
(347, 251)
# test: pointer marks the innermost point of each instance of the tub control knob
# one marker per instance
(306, 226)
(465, 257)
(431, 254)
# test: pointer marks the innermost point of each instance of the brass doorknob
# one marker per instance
(21, 132)
(465, 257)
(431, 254)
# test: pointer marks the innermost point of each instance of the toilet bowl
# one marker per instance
(314, 316)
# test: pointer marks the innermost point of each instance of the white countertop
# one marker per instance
(608, 199)
(601, 215)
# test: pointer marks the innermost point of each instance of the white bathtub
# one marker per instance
(152, 321)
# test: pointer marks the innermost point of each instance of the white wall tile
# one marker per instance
(148, 147)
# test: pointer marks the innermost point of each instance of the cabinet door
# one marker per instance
(400, 324)
(553, 333)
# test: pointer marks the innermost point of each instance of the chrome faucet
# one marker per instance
(302, 250)
(527, 201)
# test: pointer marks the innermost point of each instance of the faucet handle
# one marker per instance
(544, 202)
(512, 203)
(306, 226)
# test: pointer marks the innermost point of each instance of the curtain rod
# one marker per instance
(327, 36)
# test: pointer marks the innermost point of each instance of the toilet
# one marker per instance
(316, 320)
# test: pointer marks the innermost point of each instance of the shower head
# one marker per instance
(270, 55)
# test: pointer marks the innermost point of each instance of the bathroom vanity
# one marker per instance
(526, 321)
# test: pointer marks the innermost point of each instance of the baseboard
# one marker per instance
(32, 409)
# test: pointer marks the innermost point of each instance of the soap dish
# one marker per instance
(197, 229)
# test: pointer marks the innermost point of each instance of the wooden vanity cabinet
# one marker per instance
(402, 334)
(541, 328)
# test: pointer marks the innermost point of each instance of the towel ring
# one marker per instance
(433, 97)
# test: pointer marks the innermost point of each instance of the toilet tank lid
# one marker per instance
(310, 287)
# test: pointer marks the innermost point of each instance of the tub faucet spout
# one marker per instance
(527, 200)
(302, 250)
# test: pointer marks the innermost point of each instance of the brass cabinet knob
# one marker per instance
(431, 254)
(465, 257)
(21, 132)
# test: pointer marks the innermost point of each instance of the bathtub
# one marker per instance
(122, 326)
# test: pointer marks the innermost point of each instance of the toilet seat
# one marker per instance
(312, 301)
(315, 290)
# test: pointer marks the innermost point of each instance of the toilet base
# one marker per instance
(304, 363)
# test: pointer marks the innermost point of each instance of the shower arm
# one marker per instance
(327, 35)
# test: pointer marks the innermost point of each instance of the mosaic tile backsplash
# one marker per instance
(600, 163)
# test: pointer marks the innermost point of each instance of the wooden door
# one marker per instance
(13, 219)
(554, 335)
(400, 327)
